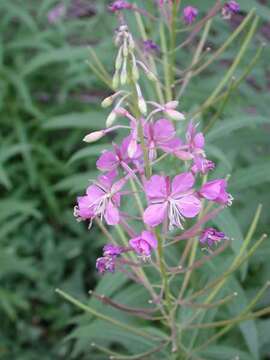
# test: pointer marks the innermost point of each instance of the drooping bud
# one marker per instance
(174, 115)
(119, 59)
(135, 71)
(131, 43)
(123, 76)
(94, 136)
(110, 119)
(115, 81)
(108, 101)
(141, 102)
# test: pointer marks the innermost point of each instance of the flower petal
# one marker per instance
(111, 215)
(163, 130)
(189, 206)
(182, 183)
(107, 161)
(155, 214)
(155, 187)
(150, 239)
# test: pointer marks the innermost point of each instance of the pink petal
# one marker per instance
(199, 140)
(163, 130)
(155, 214)
(107, 161)
(150, 239)
(182, 183)
(170, 145)
(189, 206)
(111, 215)
(155, 187)
(83, 208)
(94, 193)
(212, 189)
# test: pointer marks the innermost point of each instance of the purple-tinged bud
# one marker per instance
(211, 236)
(56, 13)
(112, 250)
(106, 263)
(174, 115)
(202, 165)
(111, 119)
(149, 46)
(190, 14)
(119, 5)
(94, 136)
(232, 6)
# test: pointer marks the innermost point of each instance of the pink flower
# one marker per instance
(107, 261)
(111, 160)
(176, 200)
(190, 14)
(215, 190)
(119, 5)
(144, 243)
(211, 236)
(101, 199)
(161, 134)
(202, 165)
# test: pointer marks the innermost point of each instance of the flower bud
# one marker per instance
(142, 105)
(119, 60)
(174, 115)
(125, 49)
(171, 104)
(135, 72)
(111, 119)
(93, 136)
(132, 148)
(123, 76)
(108, 101)
(131, 43)
(151, 76)
(115, 81)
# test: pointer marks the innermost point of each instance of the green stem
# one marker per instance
(166, 63)
(101, 316)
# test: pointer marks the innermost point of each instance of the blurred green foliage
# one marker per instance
(49, 99)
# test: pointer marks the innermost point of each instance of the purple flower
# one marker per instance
(119, 5)
(144, 243)
(149, 46)
(232, 7)
(211, 236)
(111, 160)
(190, 14)
(176, 200)
(202, 165)
(215, 190)
(112, 250)
(101, 199)
(106, 263)
(161, 134)
(56, 13)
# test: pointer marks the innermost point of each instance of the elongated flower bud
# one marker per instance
(123, 76)
(115, 81)
(135, 71)
(174, 115)
(94, 136)
(108, 101)
(125, 48)
(119, 59)
(111, 119)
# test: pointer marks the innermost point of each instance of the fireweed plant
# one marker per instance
(168, 209)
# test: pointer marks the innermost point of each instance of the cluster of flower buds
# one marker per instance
(151, 136)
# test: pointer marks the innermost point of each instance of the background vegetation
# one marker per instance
(49, 99)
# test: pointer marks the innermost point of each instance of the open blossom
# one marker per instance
(120, 5)
(144, 243)
(175, 200)
(161, 135)
(190, 13)
(211, 236)
(111, 160)
(102, 199)
(215, 190)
